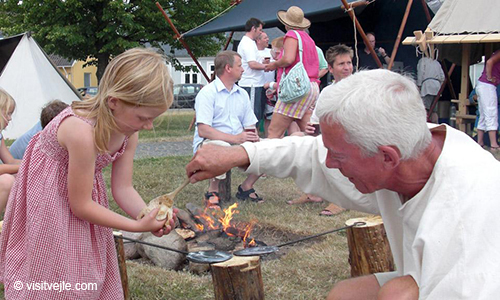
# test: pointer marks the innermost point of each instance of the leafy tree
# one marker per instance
(100, 29)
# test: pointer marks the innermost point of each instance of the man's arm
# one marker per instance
(256, 65)
(212, 160)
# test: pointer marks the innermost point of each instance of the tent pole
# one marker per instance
(229, 38)
(441, 89)
(362, 33)
(448, 79)
(400, 33)
(426, 11)
(178, 36)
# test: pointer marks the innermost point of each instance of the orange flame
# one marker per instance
(213, 222)
(228, 216)
(248, 229)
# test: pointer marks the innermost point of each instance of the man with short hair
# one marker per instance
(253, 68)
(378, 155)
(366, 60)
(222, 113)
(339, 59)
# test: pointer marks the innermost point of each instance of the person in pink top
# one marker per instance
(58, 226)
(486, 90)
(300, 111)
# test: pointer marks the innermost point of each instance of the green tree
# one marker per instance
(100, 29)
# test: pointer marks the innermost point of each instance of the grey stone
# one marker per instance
(131, 248)
(164, 258)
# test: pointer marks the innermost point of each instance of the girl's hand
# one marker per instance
(149, 222)
(168, 227)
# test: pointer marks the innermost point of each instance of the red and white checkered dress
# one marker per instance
(42, 240)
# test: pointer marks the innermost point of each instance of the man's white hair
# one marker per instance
(377, 108)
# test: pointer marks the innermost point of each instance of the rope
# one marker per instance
(223, 12)
(355, 31)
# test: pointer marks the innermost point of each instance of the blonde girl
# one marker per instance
(9, 165)
(58, 227)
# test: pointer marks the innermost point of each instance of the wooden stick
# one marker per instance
(464, 87)
(122, 266)
(181, 40)
(356, 4)
(362, 33)
(441, 89)
(448, 78)
(426, 11)
(400, 34)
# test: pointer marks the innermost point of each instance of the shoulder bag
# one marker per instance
(296, 84)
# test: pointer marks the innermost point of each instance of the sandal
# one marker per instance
(495, 149)
(331, 210)
(214, 203)
(245, 195)
(303, 199)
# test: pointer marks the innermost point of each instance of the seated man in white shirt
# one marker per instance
(225, 116)
(378, 155)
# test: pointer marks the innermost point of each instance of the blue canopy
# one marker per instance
(265, 10)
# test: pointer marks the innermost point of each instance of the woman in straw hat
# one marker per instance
(300, 111)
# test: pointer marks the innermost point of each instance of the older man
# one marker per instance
(437, 206)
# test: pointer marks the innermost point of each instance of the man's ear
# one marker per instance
(391, 156)
(112, 102)
(227, 68)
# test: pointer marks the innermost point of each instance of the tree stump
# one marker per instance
(225, 188)
(239, 278)
(369, 250)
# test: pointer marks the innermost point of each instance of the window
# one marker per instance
(86, 79)
(190, 77)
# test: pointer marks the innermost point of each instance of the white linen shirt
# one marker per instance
(226, 111)
(248, 51)
(444, 237)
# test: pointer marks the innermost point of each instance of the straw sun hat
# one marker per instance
(294, 18)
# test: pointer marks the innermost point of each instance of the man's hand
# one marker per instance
(310, 129)
(271, 67)
(212, 160)
(381, 51)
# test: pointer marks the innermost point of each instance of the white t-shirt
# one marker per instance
(444, 237)
(249, 52)
(266, 76)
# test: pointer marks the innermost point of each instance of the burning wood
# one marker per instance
(223, 221)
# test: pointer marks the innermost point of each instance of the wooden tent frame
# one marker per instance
(465, 41)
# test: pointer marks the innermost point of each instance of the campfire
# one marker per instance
(220, 223)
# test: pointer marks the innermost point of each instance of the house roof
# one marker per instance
(60, 61)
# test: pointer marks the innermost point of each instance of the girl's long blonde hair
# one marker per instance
(137, 77)
(7, 105)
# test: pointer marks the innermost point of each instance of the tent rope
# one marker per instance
(215, 17)
(355, 31)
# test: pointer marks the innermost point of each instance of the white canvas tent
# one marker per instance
(464, 31)
(29, 76)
